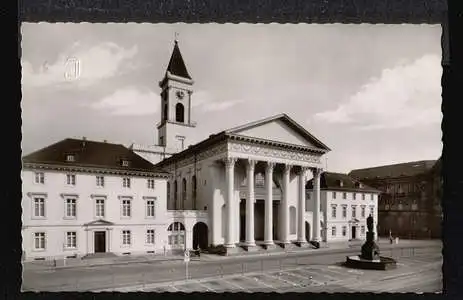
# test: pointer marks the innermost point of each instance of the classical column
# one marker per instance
(250, 204)
(229, 181)
(268, 230)
(285, 205)
(316, 204)
(301, 207)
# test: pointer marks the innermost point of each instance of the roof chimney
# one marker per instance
(84, 138)
(105, 141)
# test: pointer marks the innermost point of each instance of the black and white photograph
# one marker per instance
(231, 157)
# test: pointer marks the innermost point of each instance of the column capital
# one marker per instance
(251, 163)
(316, 171)
(287, 167)
(229, 161)
(303, 171)
(270, 166)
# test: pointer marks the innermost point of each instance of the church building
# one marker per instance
(241, 189)
(249, 180)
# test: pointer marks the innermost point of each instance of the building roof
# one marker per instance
(234, 133)
(176, 64)
(90, 154)
(288, 121)
(340, 182)
(394, 171)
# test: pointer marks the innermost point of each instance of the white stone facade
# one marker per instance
(339, 227)
(60, 219)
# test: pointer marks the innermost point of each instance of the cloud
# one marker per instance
(407, 95)
(99, 62)
(205, 101)
(129, 102)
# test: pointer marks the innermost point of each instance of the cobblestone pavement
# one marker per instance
(414, 274)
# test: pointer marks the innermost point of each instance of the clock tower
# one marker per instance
(174, 130)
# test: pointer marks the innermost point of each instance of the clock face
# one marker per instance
(180, 94)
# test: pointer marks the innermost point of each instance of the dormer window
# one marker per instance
(125, 163)
(358, 185)
(70, 158)
(341, 183)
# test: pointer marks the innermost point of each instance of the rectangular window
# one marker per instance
(333, 231)
(71, 239)
(333, 211)
(363, 212)
(363, 196)
(99, 211)
(354, 196)
(344, 196)
(362, 229)
(150, 208)
(371, 197)
(344, 230)
(71, 208)
(100, 181)
(150, 184)
(344, 211)
(39, 207)
(39, 241)
(150, 236)
(70, 179)
(372, 211)
(126, 208)
(40, 177)
(126, 182)
(334, 195)
(126, 237)
(354, 211)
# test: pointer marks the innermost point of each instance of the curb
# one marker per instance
(111, 264)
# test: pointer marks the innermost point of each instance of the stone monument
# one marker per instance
(369, 257)
(370, 250)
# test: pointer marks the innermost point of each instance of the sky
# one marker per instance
(371, 93)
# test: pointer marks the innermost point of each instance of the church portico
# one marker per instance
(254, 187)
(290, 179)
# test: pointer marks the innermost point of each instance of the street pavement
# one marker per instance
(415, 274)
(424, 261)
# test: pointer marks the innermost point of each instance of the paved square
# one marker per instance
(414, 274)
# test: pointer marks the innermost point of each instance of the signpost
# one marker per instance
(186, 259)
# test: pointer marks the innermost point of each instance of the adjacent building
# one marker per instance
(409, 204)
(345, 205)
(82, 197)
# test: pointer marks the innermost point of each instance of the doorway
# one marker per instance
(354, 232)
(100, 241)
(200, 233)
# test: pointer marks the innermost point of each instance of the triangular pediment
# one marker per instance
(99, 222)
(281, 129)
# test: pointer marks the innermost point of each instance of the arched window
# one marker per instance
(165, 111)
(259, 180)
(179, 113)
(292, 217)
(183, 193)
(193, 189)
(175, 194)
(176, 235)
(168, 194)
